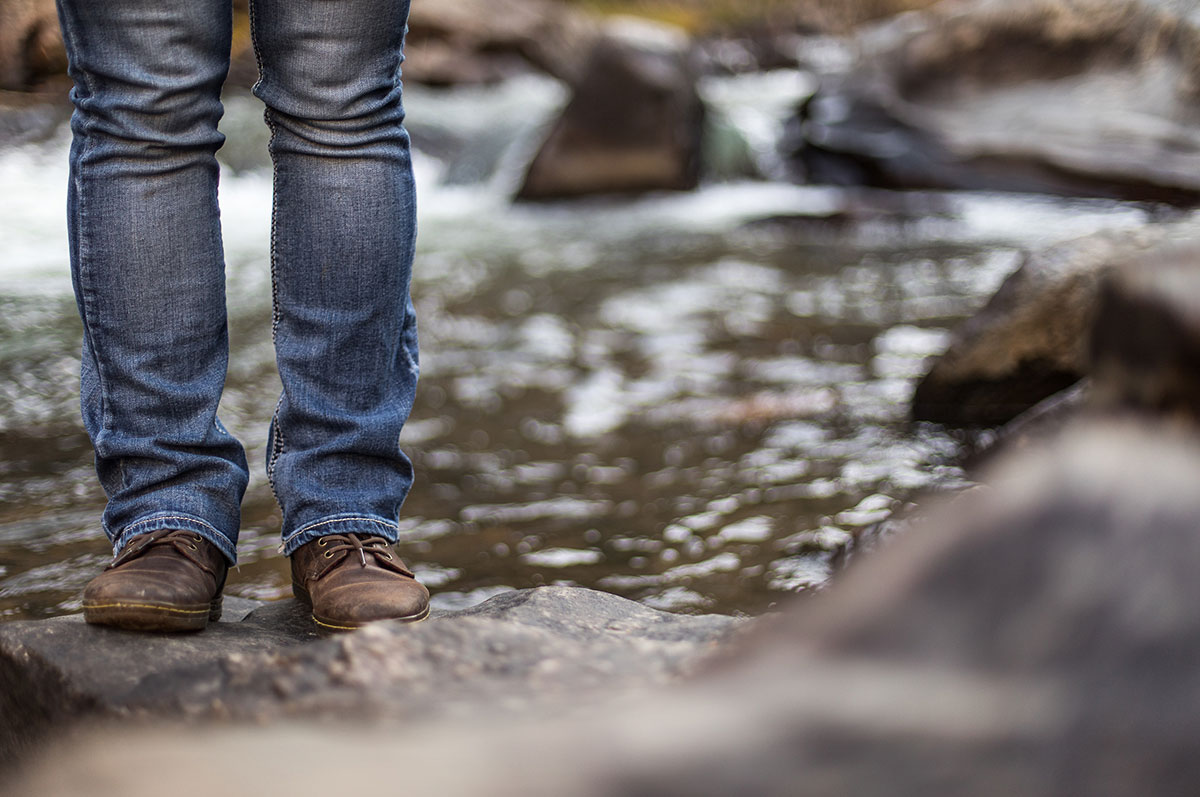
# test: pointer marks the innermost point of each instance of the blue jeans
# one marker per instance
(149, 274)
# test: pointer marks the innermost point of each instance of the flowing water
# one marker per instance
(694, 400)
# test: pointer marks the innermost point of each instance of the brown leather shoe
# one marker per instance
(167, 580)
(350, 580)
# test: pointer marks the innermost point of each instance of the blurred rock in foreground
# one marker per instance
(633, 123)
(1031, 340)
(1038, 636)
(534, 648)
(1070, 97)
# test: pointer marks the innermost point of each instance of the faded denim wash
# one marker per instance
(149, 275)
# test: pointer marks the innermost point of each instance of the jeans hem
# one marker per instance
(340, 524)
(177, 520)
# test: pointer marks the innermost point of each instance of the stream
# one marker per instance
(697, 401)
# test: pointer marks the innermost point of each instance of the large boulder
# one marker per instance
(633, 123)
(1073, 97)
(1031, 339)
(548, 647)
(1035, 637)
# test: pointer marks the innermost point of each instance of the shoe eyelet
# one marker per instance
(329, 554)
(322, 542)
(387, 556)
(193, 547)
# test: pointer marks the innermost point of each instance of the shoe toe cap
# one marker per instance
(355, 604)
(118, 586)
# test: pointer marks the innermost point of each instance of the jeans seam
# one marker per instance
(276, 447)
(70, 39)
(277, 433)
(330, 521)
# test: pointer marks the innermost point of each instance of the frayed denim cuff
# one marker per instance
(339, 524)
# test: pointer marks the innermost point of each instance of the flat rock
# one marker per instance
(517, 650)
(1038, 636)
(1070, 97)
(1031, 339)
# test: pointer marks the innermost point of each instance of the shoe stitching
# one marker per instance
(412, 618)
(336, 627)
(87, 606)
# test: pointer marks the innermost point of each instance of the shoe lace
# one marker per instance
(376, 547)
(185, 542)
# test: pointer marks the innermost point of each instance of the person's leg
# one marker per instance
(342, 247)
(147, 262)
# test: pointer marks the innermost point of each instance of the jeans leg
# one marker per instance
(343, 234)
(147, 261)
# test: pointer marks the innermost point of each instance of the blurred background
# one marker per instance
(680, 265)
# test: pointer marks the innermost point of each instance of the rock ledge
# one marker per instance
(518, 650)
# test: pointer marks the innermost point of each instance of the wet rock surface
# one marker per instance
(633, 123)
(518, 650)
(1071, 97)
(1036, 636)
(1031, 340)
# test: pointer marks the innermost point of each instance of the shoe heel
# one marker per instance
(214, 609)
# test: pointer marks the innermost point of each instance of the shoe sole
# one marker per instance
(327, 627)
(152, 615)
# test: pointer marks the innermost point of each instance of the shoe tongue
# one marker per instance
(161, 549)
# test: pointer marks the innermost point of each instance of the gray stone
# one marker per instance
(549, 646)
(532, 648)
(1038, 636)
(1073, 97)
(634, 122)
(1031, 338)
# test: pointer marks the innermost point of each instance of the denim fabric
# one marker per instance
(148, 266)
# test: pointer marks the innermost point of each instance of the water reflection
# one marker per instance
(696, 401)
